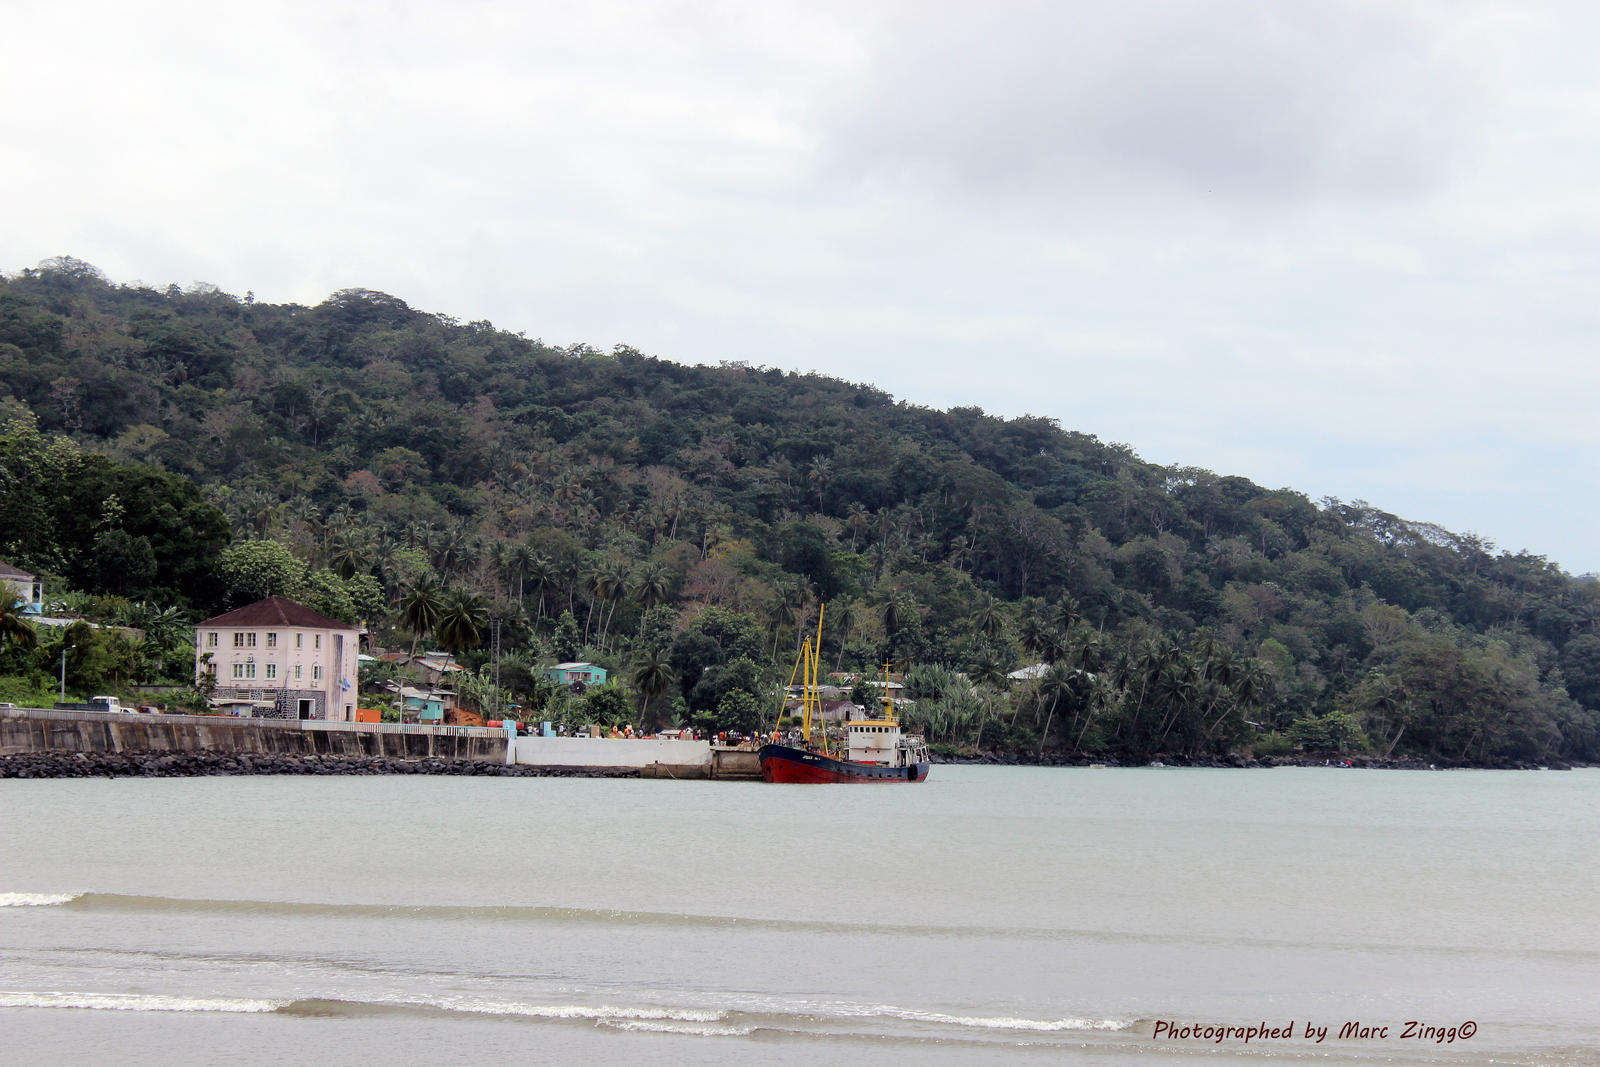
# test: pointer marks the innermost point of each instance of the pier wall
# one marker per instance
(33, 730)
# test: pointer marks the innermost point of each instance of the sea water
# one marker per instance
(989, 915)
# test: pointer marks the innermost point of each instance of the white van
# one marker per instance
(108, 704)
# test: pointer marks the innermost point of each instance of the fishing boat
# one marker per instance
(873, 749)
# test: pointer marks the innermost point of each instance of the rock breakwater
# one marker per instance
(207, 764)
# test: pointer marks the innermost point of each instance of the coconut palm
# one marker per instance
(858, 518)
(1035, 627)
(463, 620)
(819, 473)
(989, 615)
(349, 554)
(989, 671)
(543, 571)
(516, 562)
(1056, 683)
(611, 582)
(420, 611)
(652, 581)
(15, 627)
(652, 676)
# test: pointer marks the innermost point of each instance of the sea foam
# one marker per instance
(134, 1002)
(36, 900)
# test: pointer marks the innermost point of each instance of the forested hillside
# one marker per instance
(680, 525)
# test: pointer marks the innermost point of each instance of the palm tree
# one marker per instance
(463, 620)
(349, 554)
(652, 676)
(989, 616)
(858, 518)
(1067, 613)
(843, 618)
(1035, 627)
(15, 626)
(1056, 683)
(420, 611)
(989, 671)
(543, 572)
(611, 581)
(652, 581)
(516, 562)
(819, 473)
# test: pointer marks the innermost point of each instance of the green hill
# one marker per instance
(385, 449)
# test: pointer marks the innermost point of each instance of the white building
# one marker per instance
(27, 587)
(284, 659)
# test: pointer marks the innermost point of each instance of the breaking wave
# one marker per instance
(36, 900)
(136, 1002)
(649, 1018)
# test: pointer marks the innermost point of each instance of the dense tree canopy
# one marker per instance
(681, 524)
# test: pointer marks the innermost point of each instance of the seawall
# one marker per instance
(32, 731)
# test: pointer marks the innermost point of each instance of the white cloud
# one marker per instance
(1345, 247)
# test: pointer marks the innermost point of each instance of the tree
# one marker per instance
(254, 570)
(652, 676)
(543, 572)
(463, 620)
(420, 612)
(606, 705)
(516, 563)
(652, 581)
(16, 630)
(1054, 686)
(1580, 665)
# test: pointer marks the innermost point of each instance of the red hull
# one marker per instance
(780, 763)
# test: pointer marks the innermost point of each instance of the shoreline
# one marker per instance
(1235, 762)
(220, 764)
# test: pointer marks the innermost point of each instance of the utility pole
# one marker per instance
(64, 650)
(495, 627)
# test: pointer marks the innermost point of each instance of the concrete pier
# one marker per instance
(35, 730)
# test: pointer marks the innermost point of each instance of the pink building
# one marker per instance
(284, 659)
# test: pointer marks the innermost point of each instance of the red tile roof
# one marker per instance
(276, 611)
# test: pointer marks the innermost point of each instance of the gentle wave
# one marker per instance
(1005, 1022)
(603, 1013)
(136, 1002)
(36, 900)
(648, 1018)
(621, 917)
(1008, 1023)
(693, 1030)
(493, 912)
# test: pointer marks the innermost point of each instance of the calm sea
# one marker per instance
(991, 915)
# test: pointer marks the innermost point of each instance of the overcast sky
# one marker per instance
(1349, 248)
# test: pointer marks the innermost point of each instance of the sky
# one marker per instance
(1342, 247)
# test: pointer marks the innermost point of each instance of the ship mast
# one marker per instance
(814, 661)
(889, 714)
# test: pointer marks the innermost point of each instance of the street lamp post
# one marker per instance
(64, 650)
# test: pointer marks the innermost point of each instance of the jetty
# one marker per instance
(76, 732)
